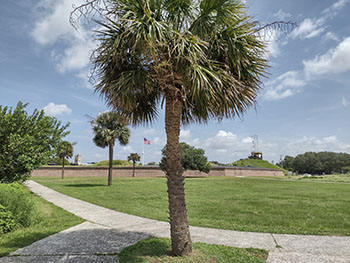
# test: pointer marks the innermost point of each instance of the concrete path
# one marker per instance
(107, 232)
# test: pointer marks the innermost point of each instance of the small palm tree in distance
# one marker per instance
(133, 157)
(109, 127)
(65, 150)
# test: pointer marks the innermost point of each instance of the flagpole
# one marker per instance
(143, 153)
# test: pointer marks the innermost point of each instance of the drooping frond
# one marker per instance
(204, 50)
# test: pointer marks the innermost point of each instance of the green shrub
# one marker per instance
(16, 198)
(7, 222)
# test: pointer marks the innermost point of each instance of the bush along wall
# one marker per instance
(16, 207)
(7, 221)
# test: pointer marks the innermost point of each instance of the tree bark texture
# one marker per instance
(62, 168)
(180, 234)
(110, 168)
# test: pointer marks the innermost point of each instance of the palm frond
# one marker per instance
(206, 50)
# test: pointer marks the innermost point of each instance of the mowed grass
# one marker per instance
(246, 204)
(335, 178)
(156, 250)
(52, 220)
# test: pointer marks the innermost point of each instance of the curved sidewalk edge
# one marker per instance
(283, 248)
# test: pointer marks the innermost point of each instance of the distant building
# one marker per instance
(256, 155)
(77, 159)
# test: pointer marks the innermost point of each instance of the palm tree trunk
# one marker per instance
(180, 234)
(133, 169)
(110, 169)
(62, 168)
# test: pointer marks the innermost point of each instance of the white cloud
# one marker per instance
(185, 135)
(53, 109)
(247, 140)
(335, 7)
(128, 149)
(225, 146)
(334, 61)
(284, 86)
(225, 140)
(331, 36)
(84, 76)
(309, 28)
(314, 144)
(274, 43)
(282, 15)
(55, 25)
(158, 141)
(313, 27)
(55, 30)
(344, 102)
(75, 57)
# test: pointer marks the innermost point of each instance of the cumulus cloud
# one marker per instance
(54, 30)
(53, 109)
(313, 27)
(336, 60)
(284, 86)
(333, 9)
(282, 15)
(309, 28)
(185, 135)
(274, 43)
(55, 24)
(314, 144)
(331, 36)
(128, 149)
(74, 57)
(158, 141)
(225, 146)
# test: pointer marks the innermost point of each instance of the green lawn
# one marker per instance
(155, 250)
(333, 178)
(247, 204)
(52, 220)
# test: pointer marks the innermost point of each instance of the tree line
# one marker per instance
(317, 163)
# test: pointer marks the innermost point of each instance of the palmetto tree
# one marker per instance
(108, 127)
(201, 58)
(64, 150)
(134, 157)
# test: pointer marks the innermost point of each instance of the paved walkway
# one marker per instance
(107, 232)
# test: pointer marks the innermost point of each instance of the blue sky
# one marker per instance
(304, 104)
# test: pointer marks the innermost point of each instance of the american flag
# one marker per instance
(145, 141)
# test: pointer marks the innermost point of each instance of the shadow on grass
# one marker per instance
(85, 185)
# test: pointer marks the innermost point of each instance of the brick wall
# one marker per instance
(152, 171)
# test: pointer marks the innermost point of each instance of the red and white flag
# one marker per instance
(145, 141)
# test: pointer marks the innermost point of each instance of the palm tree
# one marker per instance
(134, 157)
(64, 150)
(108, 127)
(203, 59)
